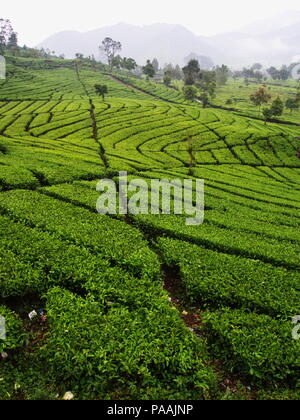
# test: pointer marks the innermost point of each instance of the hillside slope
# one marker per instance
(144, 306)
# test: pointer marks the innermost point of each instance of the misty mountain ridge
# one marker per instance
(275, 41)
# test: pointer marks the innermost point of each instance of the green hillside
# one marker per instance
(144, 307)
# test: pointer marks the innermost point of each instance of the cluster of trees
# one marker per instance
(199, 83)
(222, 74)
(284, 73)
(257, 72)
(155, 64)
(124, 63)
(203, 83)
(260, 97)
(110, 48)
(37, 53)
(174, 72)
(293, 104)
(275, 110)
(8, 37)
(9, 44)
(263, 96)
(149, 70)
(254, 72)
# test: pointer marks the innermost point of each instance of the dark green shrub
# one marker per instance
(15, 334)
(221, 279)
(254, 345)
(139, 354)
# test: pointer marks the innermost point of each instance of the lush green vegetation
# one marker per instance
(112, 330)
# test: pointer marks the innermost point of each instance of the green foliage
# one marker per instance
(221, 279)
(190, 92)
(204, 99)
(277, 107)
(191, 72)
(101, 90)
(109, 48)
(275, 110)
(292, 104)
(261, 96)
(128, 64)
(267, 113)
(83, 227)
(15, 335)
(149, 70)
(113, 333)
(222, 74)
(167, 79)
(263, 347)
(117, 352)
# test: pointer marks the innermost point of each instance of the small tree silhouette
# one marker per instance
(190, 147)
(101, 90)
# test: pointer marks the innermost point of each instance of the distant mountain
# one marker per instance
(272, 42)
(275, 23)
(168, 43)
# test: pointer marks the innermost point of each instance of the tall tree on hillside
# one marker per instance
(190, 92)
(191, 72)
(168, 68)
(129, 64)
(258, 75)
(109, 48)
(273, 72)
(292, 104)
(267, 114)
(256, 66)
(277, 107)
(167, 79)
(12, 40)
(155, 64)
(178, 75)
(174, 72)
(222, 74)
(207, 83)
(275, 110)
(117, 62)
(149, 70)
(260, 97)
(101, 90)
(204, 98)
(284, 73)
(6, 30)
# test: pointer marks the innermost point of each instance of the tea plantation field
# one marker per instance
(144, 307)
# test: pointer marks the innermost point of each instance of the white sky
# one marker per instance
(35, 20)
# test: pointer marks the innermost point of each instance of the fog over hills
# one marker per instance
(274, 41)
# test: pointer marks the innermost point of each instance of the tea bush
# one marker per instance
(146, 353)
(255, 345)
(15, 334)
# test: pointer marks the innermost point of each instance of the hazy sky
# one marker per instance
(37, 19)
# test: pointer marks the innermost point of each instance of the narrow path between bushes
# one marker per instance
(94, 121)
